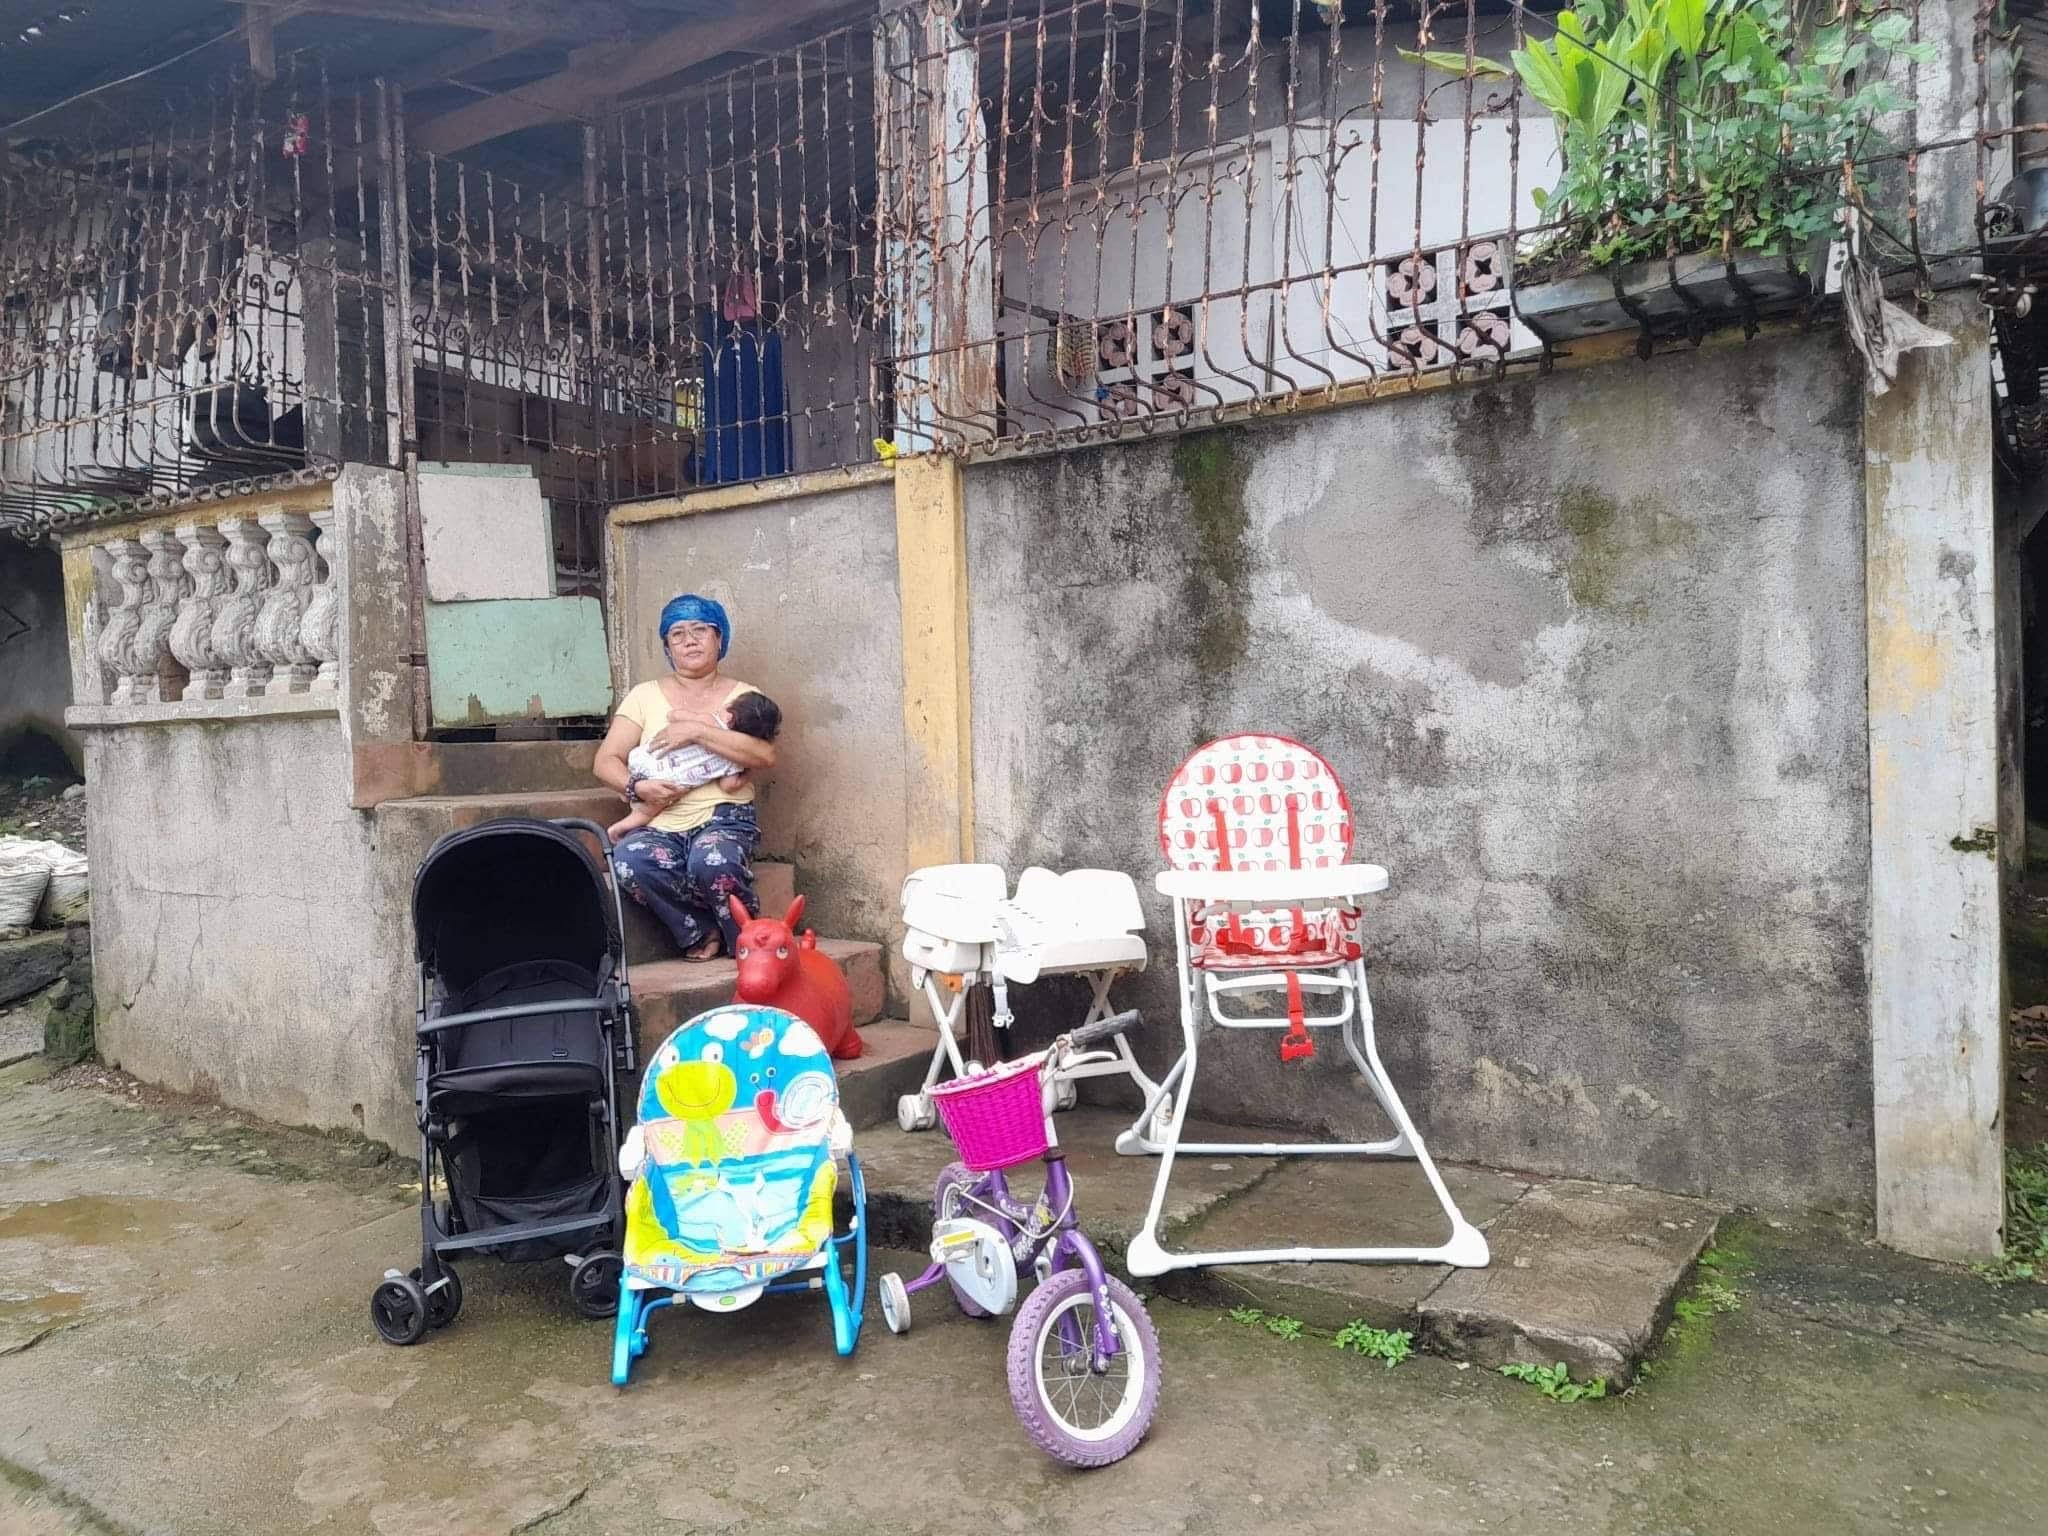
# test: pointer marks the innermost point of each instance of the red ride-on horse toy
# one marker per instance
(779, 969)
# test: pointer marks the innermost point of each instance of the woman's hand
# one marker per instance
(660, 796)
(685, 731)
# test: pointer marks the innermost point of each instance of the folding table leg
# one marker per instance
(1140, 1137)
(915, 1111)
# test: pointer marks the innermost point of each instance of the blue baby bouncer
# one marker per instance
(734, 1165)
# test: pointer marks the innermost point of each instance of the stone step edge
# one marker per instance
(681, 978)
(903, 1221)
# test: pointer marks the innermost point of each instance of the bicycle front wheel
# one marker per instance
(1071, 1411)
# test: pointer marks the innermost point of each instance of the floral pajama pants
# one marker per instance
(684, 878)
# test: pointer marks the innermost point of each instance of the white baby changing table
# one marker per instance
(964, 927)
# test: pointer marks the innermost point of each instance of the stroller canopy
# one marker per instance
(508, 892)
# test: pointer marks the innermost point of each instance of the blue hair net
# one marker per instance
(692, 609)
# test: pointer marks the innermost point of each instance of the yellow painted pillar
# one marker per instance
(931, 576)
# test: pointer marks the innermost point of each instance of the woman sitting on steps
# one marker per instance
(699, 849)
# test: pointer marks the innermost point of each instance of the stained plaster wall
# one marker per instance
(246, 945)
(1588, 651)
(251, 931)
(810, 584)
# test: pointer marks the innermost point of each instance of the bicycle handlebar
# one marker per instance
(1089, 1034)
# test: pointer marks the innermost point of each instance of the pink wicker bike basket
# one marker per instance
(997, 1118)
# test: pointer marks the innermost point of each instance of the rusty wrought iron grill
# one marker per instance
(959, 224)
(191, 300)
(1108, 216)
(1178, 209)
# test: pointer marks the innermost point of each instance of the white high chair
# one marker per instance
(963, 927)
(1256, 831)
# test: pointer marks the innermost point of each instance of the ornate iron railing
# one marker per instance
(962, 223)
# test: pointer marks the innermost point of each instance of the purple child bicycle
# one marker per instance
(1083, 1358)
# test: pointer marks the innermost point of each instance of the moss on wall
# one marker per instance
(1213, 469)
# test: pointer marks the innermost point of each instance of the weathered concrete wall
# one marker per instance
(1588, 651)
(35, 666)
(244, 944)
(810, 583)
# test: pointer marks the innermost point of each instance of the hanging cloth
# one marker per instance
(746, 405)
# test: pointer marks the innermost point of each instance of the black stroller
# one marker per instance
(525, 1023)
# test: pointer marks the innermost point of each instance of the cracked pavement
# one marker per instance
(185, 1347)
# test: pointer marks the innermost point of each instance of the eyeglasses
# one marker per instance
(692, 632)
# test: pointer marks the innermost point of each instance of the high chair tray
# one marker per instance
(1058, 952)
(1272, 885)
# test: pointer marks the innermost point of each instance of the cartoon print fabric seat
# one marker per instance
(739, 1116)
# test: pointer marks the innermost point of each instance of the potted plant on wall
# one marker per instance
(1702, 145)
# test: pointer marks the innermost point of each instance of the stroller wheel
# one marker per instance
(398, 1309)
(594, 1284)
(444, 1301)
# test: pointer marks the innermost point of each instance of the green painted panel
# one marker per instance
(517, 659)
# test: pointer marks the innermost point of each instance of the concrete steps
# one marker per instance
(667, 993)
(430, 817)
(442, 814)
(890, 1065)
(669, 990)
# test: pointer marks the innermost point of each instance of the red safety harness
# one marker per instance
(1233, 940)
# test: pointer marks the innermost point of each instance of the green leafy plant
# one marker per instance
(1704, 125)
(1555, 1381)
(1389, 1344)
(1707, 1298)
(1272, 1322)
(2026, 1220)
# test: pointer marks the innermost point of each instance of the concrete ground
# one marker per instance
(184, 1347)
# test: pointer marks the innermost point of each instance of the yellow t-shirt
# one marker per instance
(647, 706)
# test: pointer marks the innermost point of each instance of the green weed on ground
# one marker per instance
(1555, 1381)
(1391, 1345)
(1277, 1324)
(1388, 1344)
(2026, 1220)
(1712, 1294)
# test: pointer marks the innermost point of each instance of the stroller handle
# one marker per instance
(583, 824)
(515, 1011)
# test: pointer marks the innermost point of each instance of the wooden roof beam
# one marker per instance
(453, 63)
(606, 72)
(583, 20)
